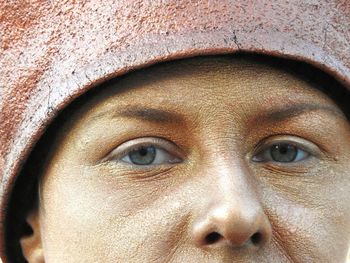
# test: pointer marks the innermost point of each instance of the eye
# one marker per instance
(142, 156)
(148, 155)
(281, 152)
(146, 151)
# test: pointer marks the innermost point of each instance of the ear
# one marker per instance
(31, 244)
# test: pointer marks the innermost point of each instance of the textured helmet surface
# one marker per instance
(54, 51)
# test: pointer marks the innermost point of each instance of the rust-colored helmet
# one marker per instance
(52, 52)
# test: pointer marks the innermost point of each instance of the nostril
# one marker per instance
(256, 238)
(212, 238)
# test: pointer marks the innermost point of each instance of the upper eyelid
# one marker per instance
(132, 144)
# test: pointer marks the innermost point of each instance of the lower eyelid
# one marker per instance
(288, 169)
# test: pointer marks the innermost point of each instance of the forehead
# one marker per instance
(193, 83)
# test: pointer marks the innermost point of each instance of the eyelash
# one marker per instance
(270, 154)
(263, 151)
(161, 146)
(173, 155)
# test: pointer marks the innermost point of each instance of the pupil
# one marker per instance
(283, 149)
(283, 152)
(143, 155)
(143, 151)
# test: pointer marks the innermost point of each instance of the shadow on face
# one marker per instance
(213, 159)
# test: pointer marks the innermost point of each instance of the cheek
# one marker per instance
(88, 218)
(311, 216)
(90, 214)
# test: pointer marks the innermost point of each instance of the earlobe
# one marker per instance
(31, 244)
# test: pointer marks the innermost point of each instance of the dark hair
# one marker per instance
(25, 193)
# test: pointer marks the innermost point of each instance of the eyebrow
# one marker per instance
(164, 116)
(150, 115)
(295, 110)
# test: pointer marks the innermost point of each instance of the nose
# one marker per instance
(233, 226)
(232, 216)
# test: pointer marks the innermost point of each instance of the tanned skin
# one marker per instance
(213, 181)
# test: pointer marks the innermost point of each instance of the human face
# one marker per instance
(216, 159)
